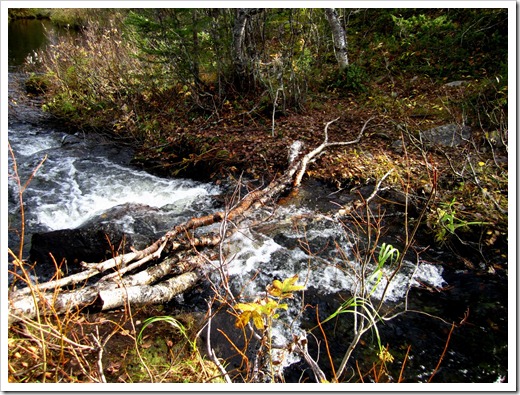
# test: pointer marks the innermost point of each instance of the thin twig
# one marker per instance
(378, 186)
(443, 353)
(400, 379)
(211, 352)
(326, 346)
(274, 108)
(301, 347)
(100, 356)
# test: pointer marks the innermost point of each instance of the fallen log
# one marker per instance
(149, 286)
(102, 298)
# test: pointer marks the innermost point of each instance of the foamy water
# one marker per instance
(76, 183)
(253, 259)
(80, 195)
(252, 254)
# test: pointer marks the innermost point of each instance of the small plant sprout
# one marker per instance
(447, 223)
(266, 308)
(385, 356)
(173, 322)
(387, 252)
(263, 312)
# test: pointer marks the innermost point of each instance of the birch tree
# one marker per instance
(240, 61)
(339, 37)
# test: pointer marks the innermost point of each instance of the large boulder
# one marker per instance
(89, 244)
(115, 230)
(449, 135)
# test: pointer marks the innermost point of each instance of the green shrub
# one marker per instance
(36, 84)
(102, 83)
(353, 79)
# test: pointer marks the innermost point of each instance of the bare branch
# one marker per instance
(305, 160)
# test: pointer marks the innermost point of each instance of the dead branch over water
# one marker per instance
(178, 266)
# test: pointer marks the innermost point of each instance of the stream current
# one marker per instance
(85, 176)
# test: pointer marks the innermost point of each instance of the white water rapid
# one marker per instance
(82, 179)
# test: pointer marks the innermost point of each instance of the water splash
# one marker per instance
(78, 182)
(80, 195)
(312, 256)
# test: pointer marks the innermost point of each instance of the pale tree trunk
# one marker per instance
(339, 36)
(240, 60)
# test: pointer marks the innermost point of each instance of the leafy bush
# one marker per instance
(451, 43)
(36, 84)
(487, 105)
(353, 79)
(447, 223)
(102, 83)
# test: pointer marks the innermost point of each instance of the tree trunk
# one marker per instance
(101, 298)
(339, 36)
(195, 46)
(240, 61)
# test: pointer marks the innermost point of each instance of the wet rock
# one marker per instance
(449, 135)
(97, 239)
(224, 323)
(69, 139)
(397, 146)
(74, 245)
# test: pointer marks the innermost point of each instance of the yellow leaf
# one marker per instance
(273, 291)
(245, 306)
(243, 319)
(288, 284)
(258, 321)
(269, 307)
(385, 356)
(284, 289)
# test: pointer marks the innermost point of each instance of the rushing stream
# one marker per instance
(82, 178)
(85, 178)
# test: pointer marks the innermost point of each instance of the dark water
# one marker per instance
(26, 36)
(82, 178)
